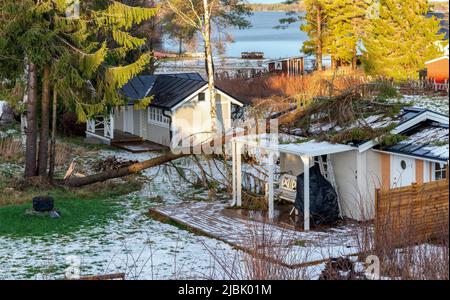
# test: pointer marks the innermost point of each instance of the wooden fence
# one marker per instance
(412, 214)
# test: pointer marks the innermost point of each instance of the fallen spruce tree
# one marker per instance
(350, 106)
(137, 167)
(122, 172)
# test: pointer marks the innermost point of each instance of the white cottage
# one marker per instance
(357, 170)
(180, 108)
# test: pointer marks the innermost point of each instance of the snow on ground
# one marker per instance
(132, 243)
(438, 104)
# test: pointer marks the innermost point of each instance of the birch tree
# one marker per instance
(201, 14)
(199, 17)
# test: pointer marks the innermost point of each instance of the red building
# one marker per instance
(292, 66)
(438, 69)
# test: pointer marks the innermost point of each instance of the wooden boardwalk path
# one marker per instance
(278, 244)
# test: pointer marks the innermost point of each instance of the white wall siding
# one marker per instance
(345, 166)
(118, 118)
(193, 119)
(426, 171)
(158, 134)
(136, 122)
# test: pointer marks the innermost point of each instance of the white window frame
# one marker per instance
(156, 117)
(442, 171)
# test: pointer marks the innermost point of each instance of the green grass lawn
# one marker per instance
(81, 208)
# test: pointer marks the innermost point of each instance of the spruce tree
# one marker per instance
(399, 41)
(86, 55)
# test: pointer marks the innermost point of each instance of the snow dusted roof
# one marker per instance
(429, 141)
(374, 121)
(410, 124)
(427, 133)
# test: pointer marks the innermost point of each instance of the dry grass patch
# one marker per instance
(11, 150)
(17, 191)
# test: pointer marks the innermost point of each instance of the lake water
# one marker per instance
(263, 37)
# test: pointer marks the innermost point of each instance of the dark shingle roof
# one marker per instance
(168, 90)
(427, 140)
(138, 87)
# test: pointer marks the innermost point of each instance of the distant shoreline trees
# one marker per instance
(396, 37)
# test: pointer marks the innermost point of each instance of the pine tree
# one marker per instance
(346, 19)
(316, 27)
(201, 15)
(400, 39)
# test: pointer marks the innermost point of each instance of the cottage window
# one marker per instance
(155, 116)
(201, 97)
(440, 171)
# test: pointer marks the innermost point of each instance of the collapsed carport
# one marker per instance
(270, 146)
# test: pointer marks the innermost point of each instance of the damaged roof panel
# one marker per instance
(429, 140)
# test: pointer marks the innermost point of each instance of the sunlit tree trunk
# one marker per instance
(117, 173)
(319, 38)
(355, 59)
(209, 63)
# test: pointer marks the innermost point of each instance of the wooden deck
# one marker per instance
(273, 242)
(121, 137)
(140, 147)
(132, 143)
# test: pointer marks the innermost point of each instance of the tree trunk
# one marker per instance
(319, 39)
(151, 38)
(23, 115)
(44, 128)
(31, 129)
(180, 45)
(209, 64)
(355, 59)
(333, 64)
(51, 170)
(133, 169)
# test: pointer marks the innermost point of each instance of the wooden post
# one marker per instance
(238, 175)
(377, 215)
(271, 185)
(306, 213)
(91, 125)
(233, 154)
(111, 120)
